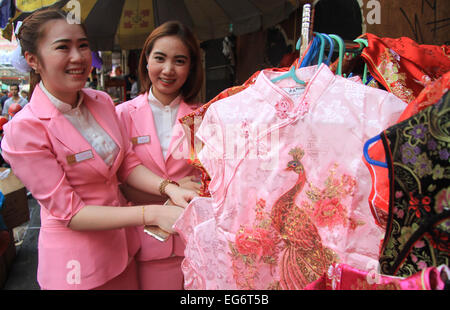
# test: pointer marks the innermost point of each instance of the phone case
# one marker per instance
(156, 232)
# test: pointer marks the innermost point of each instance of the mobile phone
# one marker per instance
(157, 232)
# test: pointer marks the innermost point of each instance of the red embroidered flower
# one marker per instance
(256, 241)
(419, 204)
(330, 212)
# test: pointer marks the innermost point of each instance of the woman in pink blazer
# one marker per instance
(171, 76)
(71, 152)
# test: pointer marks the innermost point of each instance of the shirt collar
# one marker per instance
(62, 106)
(317, 79)
(152, 100)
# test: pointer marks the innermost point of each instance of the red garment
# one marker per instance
(288, 59)
(379, 197)
(344, 277)
(428, 96)
(404, 67)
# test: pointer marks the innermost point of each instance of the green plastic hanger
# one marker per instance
(291, 73)
(339, 40)
(322, 48)
(363, 43)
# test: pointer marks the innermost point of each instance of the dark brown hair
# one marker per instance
(32, 31)
(194, 82)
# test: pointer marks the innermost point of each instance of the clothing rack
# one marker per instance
(306, 32)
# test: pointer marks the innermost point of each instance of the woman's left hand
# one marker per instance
(190, 182)
(180, 196)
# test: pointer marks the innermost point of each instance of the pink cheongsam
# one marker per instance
(288, 186)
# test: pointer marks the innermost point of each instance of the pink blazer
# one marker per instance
(64, 173)
(137, 117)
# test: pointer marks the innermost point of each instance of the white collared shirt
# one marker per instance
(164, 117)
(82, 119)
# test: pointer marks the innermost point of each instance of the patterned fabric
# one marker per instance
(379, 197)
(276, 219)
(431, 94)
(192, 121)
(418, 227)
(344, 277)
(404, 67)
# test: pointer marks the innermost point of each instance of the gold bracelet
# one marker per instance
(143, 215)
(162, 186)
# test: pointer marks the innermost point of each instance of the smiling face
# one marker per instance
(64, 59)
(168, 68)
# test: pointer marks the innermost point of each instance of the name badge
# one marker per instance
(140, 140)
(79, 157)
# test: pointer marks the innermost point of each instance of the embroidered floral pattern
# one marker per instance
(326, 206)
(255, 241)
(419, 205)
(443, 201)
(389, 68)
(416, 131)
(330, 212)
(253, 248)
(287, 239)
(409, 153)
(417, 235)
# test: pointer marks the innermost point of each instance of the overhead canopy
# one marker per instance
(128, 22)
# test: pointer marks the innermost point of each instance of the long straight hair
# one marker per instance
(194, 82)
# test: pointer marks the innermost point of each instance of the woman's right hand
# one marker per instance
(165, 216)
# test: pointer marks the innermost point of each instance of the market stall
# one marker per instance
(320, 140)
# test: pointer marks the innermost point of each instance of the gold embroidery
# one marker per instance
(326, 206)
(286, 238)
(364, 285)
(389, 68)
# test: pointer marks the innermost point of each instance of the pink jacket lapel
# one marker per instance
(64, 131)
(145, 125)
(178, 133)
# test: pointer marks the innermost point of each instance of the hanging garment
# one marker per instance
(431, 94)
(192, 121)
(404, 67)
(288, 187)
(379, 197)
(344, 277)
(418, 227)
